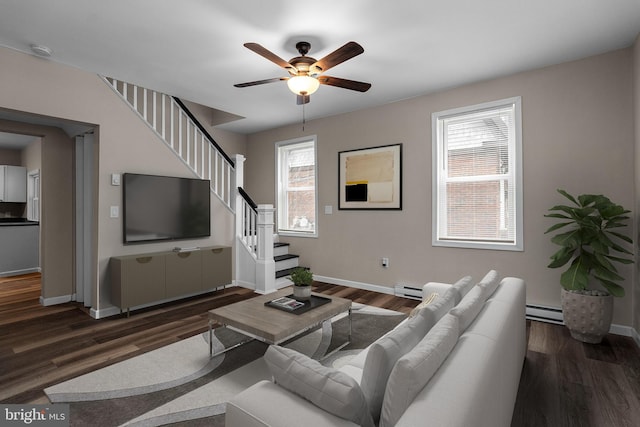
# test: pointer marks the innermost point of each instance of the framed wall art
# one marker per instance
(370, 178)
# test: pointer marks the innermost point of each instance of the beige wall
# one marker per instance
(578, 134)
(32, 155)
(10, 157)
(125, 144)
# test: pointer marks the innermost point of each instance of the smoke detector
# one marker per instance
(41, 50)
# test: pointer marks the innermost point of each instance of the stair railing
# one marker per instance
(174, 124)
(248, 224)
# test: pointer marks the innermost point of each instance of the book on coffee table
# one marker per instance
(286, 303)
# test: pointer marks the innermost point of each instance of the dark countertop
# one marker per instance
(4, 222)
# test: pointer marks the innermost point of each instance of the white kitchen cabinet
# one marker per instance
(13, 184)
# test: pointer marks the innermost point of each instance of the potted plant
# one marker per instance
(591, 243)
(302, 279)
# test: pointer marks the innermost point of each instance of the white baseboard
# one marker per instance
(104, 312)
(357, 285)
(55, 300)
(636, 337)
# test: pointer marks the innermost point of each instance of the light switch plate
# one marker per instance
(328, 210)
(115, 179)
(114, 211)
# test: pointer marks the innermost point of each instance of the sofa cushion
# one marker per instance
(383, 355)
(413, 370)
(441, 306)
(327, 388)
(489, 282)
(425, 302)
(469, 307)
(463, 286)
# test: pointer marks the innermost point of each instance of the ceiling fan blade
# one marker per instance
(338, 56)
(303, 99)
(260, 82)
(265, 53)
(344, 83)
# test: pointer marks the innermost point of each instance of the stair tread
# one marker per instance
(285, 257)
(286, 272)
(280, 244)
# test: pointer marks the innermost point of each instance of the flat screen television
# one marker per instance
(158, 208)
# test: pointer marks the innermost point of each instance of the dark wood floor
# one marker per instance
(564, 382)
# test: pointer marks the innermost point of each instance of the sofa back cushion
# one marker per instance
(441, 306)
(383, 355)
(489, 282)
(463, 286)
(413, 370)
(327, 388)
(469, 307)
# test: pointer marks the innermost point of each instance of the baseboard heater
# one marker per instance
(408, 292)
(542, 313)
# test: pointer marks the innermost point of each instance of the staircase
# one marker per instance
(285, 263)
(259, 262)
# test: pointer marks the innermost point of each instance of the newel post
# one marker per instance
(266, 266)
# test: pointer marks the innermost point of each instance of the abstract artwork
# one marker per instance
(371, 178)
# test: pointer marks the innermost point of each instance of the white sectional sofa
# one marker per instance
(455, 362)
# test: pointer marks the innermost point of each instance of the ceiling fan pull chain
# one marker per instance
(303, 117)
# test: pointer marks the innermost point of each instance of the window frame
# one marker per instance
(515, 159)
(281, 200)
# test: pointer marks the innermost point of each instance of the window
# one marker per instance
(477, 176)
(296, 187)
(33, 196)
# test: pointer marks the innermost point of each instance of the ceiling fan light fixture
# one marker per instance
(303, 85)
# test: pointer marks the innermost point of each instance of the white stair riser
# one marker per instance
(287, 263)
(280, 250)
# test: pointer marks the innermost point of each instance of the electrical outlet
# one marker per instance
(385, 262)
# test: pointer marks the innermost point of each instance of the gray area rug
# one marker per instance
(180, 385)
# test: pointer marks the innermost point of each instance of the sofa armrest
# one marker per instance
(431, 287)
(267, 404)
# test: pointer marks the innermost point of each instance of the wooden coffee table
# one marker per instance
(270, 325)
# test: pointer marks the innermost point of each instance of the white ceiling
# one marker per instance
(13, 141)
(193, 49)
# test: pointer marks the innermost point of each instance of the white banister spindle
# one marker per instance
(172, 126)
(203, 141)
(164, 119)
(216, 172)
(180, 133)
(155, 111)
(125, 94)
(144, 104)
(135, 98)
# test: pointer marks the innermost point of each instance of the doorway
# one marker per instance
(66, 263)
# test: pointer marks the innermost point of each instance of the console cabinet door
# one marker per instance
(138, 280)
(184, 273)
(216, 267)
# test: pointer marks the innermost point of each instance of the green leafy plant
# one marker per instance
(590, 244)
(301, 277)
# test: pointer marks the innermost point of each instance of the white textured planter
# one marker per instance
(588, 317)
(302, 293)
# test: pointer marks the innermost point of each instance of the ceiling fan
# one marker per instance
(306, 72)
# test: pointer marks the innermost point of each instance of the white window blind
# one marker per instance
(477, 185)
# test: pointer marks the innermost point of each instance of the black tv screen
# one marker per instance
(157, 208)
